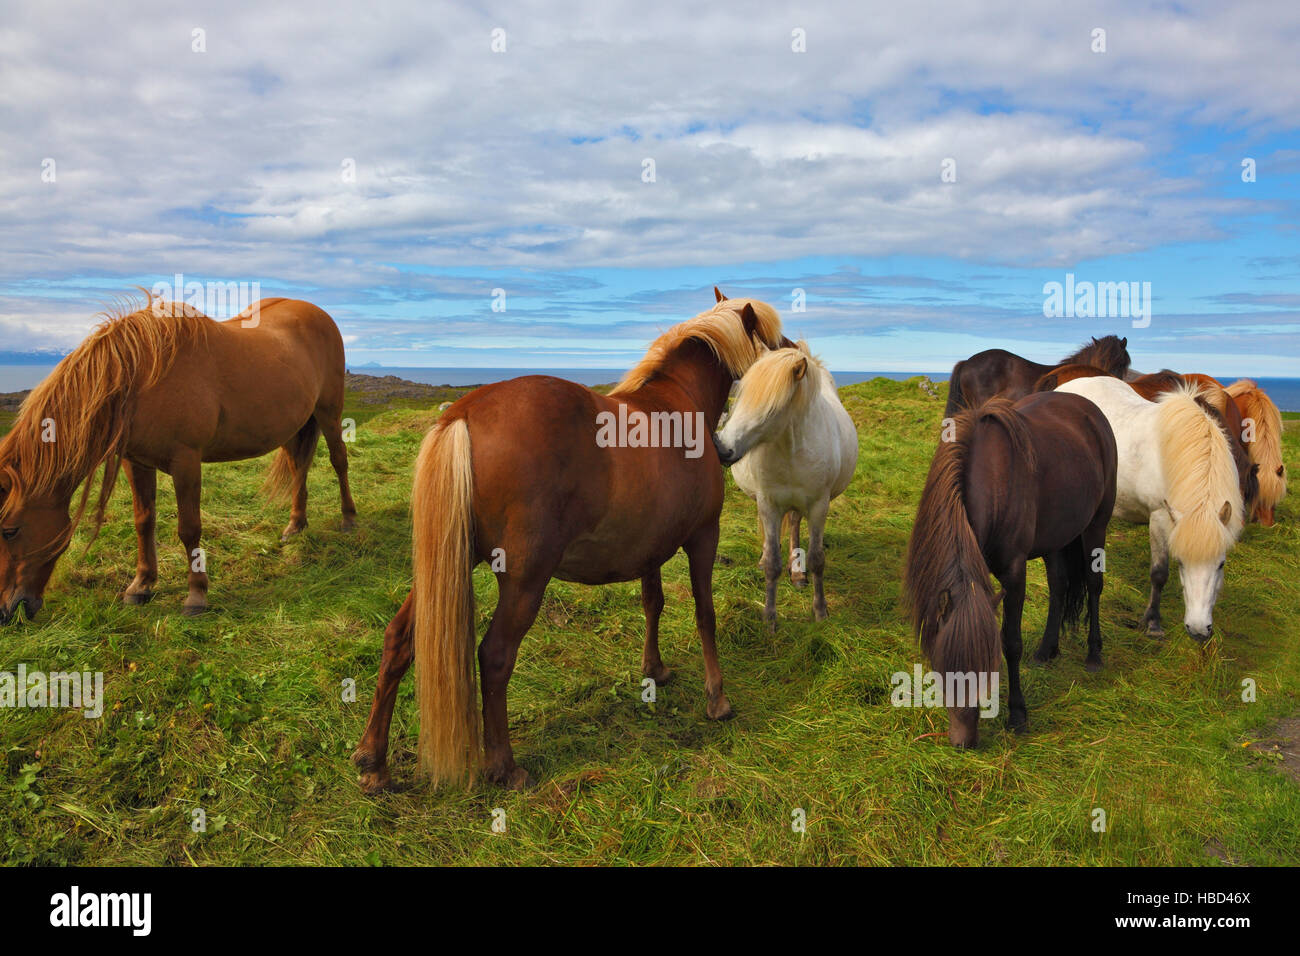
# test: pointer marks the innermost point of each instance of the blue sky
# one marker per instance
(775, 170)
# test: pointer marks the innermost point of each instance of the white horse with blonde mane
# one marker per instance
(792, 448)
(1176, 473)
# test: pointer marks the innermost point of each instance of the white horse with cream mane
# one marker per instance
(793, 448)
(1176, 473)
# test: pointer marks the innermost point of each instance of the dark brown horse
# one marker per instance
(1213, 398)
(165, 388)
(1016, 481)
(1005, 374)
(529, 475)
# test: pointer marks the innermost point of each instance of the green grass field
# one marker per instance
(241, 712)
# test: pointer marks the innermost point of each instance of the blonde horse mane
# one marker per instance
(87, 401)
(720, 329)
(1266, 449)
(1200, 475)
(771, 384)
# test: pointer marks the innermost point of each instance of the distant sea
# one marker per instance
(13, 378)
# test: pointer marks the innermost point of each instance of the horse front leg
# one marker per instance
(701, 551)
(652, 603)
(1161, 524)
(187, 476)
(770, 518)
(817, 555)
(144, 497)
(1013, 603)
(371, 755)
(798, 563)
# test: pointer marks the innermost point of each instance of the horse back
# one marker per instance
(547, 491)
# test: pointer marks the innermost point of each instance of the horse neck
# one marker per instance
(693, 377)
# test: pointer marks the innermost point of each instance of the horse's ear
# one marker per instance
(1225, 513)
(1281, 470)
(717, 293)
(800, 368)
(1124, 341)
(749, 319)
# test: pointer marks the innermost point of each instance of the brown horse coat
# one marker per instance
(516, 474)
(165, 388)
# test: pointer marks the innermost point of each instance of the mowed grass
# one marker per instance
(242, 713)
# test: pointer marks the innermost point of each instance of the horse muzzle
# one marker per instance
(726, 454)
(31, 607)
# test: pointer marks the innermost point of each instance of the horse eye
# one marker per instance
(8, 532)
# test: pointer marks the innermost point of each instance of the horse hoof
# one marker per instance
(1156, 631)
(665, 676)
(516, 778)
(1092, 666)
(1019, 723)
(375, 782)
(290, 531)
(771, 626)
(720, 709)
(349, 522)
(193, 610)
(799, 580)
(820, 614)
(137, 597)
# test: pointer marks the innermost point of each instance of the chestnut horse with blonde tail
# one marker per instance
(532, 475)
(165, 388)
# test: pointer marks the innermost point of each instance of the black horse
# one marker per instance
(1034, 479)
(1005, 374)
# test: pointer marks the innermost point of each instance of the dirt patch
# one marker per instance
(1281, 745)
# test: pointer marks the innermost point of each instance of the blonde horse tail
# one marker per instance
(292, 460)
(446, 678)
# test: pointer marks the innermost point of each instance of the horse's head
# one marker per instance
(1201, 573)
(34, 531)
(1110, 352)
(777, 386)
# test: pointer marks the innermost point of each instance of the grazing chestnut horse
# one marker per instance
(557, 480)
(1212, 396)
(998, 372)
(1015, 481)
(165, 388)
(1265, 448)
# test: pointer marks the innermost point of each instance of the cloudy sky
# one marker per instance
(396, 163)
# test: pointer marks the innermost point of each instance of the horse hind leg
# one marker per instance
(517, 605)
(296, 457)
(371, 755)
(1050, 646)
(331, 427)
(1094, 545)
